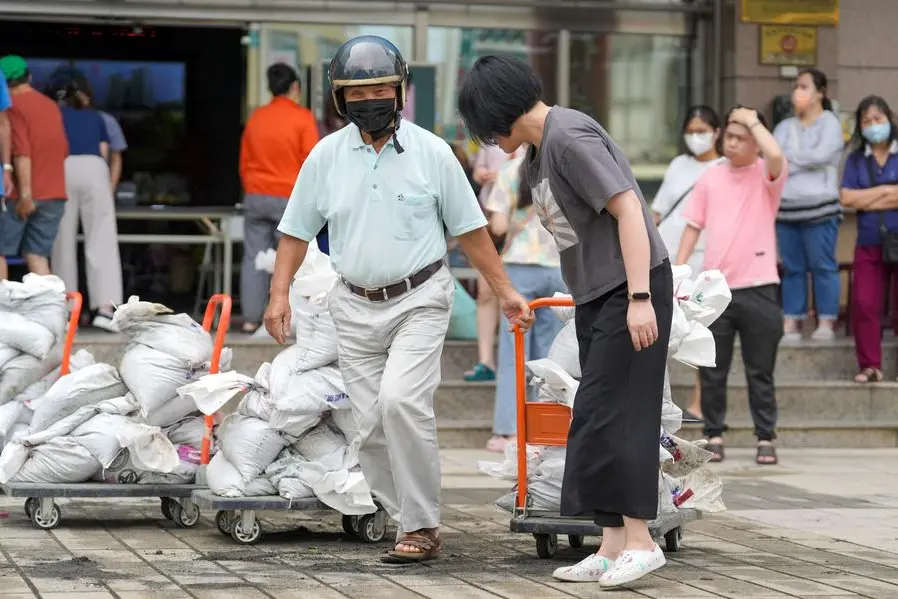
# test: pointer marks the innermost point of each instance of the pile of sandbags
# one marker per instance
(124, 425)
(683, 479)
(32, 335)
(292, 431)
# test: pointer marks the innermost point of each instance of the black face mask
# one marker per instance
(374, 117)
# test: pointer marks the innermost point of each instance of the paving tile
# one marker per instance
(457, 591)
(235, 592)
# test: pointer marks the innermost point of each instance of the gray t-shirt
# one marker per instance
(573, 175)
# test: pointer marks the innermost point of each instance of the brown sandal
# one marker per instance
(766, 455)
(428, 541)
(868, 375)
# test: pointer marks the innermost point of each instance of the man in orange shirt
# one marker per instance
(276, 141)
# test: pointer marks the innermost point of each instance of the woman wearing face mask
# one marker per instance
(870, 186)
(808, 219)
(701, 138)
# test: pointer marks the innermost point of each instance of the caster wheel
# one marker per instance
(672, 540)
(246, 537)
(45, 521)
(546, 545)
(372, 528)
(30, 504)
(165, 506)
(351, 525)
(224, 520)
(184, 517)
(575, 541)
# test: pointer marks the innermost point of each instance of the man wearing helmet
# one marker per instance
(386, 189)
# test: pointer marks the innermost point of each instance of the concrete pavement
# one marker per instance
(823, 524)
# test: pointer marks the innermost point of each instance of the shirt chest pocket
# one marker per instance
(414, 216)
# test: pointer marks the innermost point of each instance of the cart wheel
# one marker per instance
(29, 505)
(184, 517)
(672, 540)
(371, 528)
(575, 541)
(48, 521)
(546, 545)
(246, 537)
(224, 520)
(166, 507)
(351, 525)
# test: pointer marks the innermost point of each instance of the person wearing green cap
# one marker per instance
(5, 140)
(33, 208)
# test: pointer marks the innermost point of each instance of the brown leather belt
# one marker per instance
(382, 294)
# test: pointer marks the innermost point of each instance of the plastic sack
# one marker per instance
(508, 469)
(24, 370)
(84, 387)
(708, 297)
(564, 313)
(249, 444)
(302, 398)
(707, 491)
(225, 481)
(60, 460)
(264, 260)
(343, 490)
(463, 317)
(315, 277)
(671, 413)
(565, 350)
(211, 392)
(697, 348)
(553, 375)
(687, 456)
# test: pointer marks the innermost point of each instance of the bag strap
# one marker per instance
(677, 203)
(871, 174)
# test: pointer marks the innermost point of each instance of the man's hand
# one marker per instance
(25, 207)
(8, 184)
(744, 116)
(277, 317)
(642, 324)
(516, 309)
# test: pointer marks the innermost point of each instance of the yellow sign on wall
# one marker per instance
(788, 45)
(823, 13)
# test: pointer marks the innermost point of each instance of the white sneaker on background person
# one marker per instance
(631, 566)
(103, 320)
(590, 569)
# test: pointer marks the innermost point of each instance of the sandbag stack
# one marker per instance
(683, 479)
(292, 432)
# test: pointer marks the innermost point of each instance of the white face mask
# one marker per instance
(699, 143)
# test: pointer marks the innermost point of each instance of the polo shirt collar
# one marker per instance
(893, 149)
(356, 142)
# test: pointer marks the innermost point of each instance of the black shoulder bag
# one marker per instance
(889, 238)
(677, 203)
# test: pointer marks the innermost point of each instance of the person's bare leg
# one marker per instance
(695, 407)
(637, 535)
(39, 265)
(487, 323)
(614, 540)
(4, 269)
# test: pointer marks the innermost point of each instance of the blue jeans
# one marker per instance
(804, 248)
(532, 282)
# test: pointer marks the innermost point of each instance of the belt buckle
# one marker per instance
(381, 290)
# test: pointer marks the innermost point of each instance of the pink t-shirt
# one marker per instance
(736, 208)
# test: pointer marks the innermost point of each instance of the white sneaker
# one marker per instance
(104, 321)
(792, 337)
(823, 334)
(590, 569)
(631, 566)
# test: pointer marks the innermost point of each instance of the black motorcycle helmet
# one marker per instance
(367, 60)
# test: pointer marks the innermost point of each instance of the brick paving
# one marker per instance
(819, 526)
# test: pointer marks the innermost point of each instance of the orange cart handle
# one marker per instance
(74, 319)
(521, 390)
(224, 323)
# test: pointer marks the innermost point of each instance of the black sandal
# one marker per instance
(766, 455)
(717, 452)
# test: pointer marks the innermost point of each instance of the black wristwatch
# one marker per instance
(640, 296)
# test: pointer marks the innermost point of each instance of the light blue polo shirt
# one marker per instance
(385, 212)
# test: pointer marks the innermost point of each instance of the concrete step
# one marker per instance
(810, 433)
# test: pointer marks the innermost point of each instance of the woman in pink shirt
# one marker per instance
(735, 204)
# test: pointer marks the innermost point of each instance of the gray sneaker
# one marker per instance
(823, 334)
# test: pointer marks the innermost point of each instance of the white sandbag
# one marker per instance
(63, 427)
(154, 325)
(84, 387)
(314, 279)
(225, 481)
(189, 431)
(175, 409)
(565, 350)
(125, 471)
(26, 336)
(258, 401)
(98, 436)
(562, 387)
(40, 299)
(154, 376)
(671, 413)
(7, 353)
(9, 415)
(316, 338)
(343, 490)
(60, 460)
(249, 444)
(564, 313)
(32, 395)
(285, 472)
(302, 398)
(148, 446)
(323, 445)
(24, 370)
(345, 422)
(707, 491)
(18, 429)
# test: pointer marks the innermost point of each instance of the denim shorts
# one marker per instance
(35, 235)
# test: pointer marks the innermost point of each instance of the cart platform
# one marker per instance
(236, 516)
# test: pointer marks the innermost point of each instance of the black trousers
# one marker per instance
(755, 314)
(612, 452)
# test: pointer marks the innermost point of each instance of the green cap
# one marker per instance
(13, 67)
